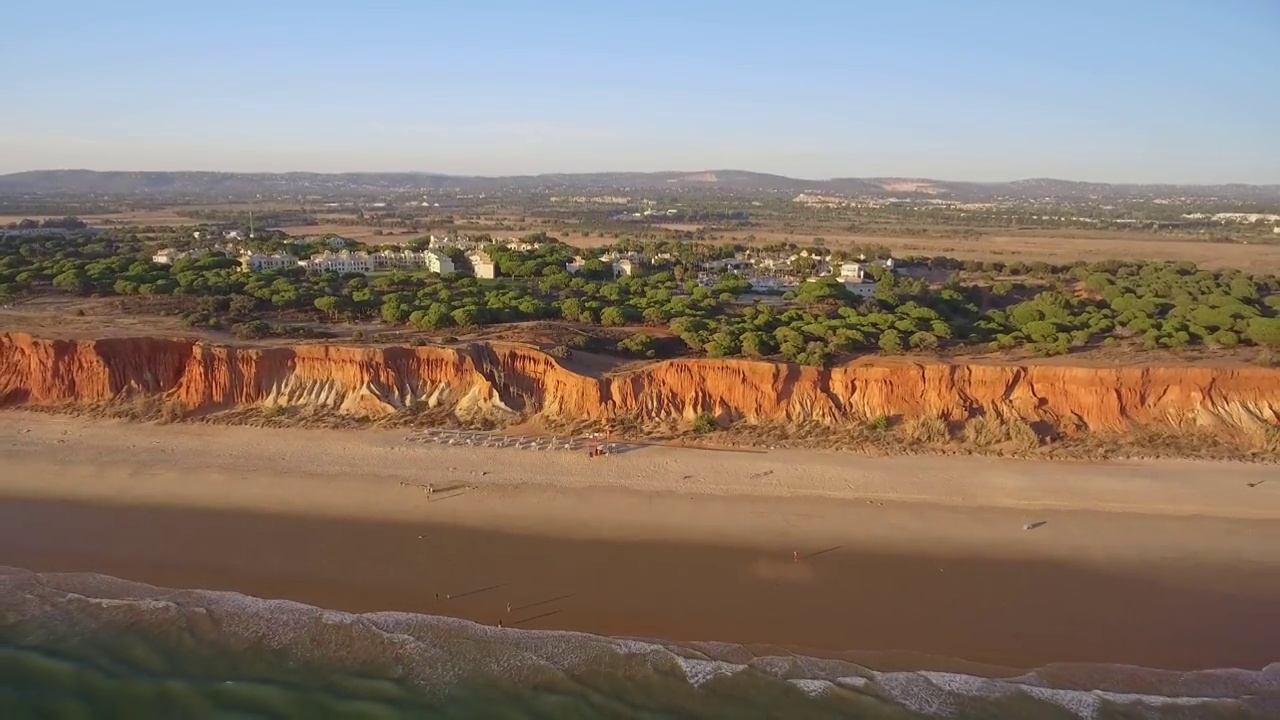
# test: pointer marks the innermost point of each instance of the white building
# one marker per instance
(275, 261)
(449, 242)
(343, 261)
(852, 272)
(858, 271)
(860, 288)
(771, 283)
(169, 256)
(429, 260)
(733, 264)
(613, 256)
(519, 245)
(483, 265)
(575, 265)
(624, 267)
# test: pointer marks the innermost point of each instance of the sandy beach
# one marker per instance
(1161, 564)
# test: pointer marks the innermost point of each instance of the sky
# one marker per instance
(1117, 91)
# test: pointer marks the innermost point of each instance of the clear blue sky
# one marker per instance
(1122, 90)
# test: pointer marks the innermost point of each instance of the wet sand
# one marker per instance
(953, 574)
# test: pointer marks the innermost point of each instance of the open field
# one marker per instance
(1052, 248)
(1056, 246)
(1063, 249)
(163, 216)
(363, 233)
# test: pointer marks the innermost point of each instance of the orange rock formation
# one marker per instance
(520, 381)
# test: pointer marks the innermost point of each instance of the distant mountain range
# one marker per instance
(220, 185)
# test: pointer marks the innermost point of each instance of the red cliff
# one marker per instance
(518, 381)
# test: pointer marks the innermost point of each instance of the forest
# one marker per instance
(1048, 309)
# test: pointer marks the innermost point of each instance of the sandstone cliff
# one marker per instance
(516, 381)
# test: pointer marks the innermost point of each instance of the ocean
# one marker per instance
(93, 646)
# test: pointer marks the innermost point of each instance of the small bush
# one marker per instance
(1264, 438)
(357, 335)
(560, 351)
(983, 431)
(173, 412)
(926, 429)
(639, 344)
(1023, 436)
(252, 330)
(585, 341)
(705, 423)
(879, 423)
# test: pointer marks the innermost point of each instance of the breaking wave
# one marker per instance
(100, 640)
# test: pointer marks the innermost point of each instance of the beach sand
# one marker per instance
(1161, 564)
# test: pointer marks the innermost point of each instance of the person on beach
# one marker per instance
(795, 556)
(499, 623)
(508, 607)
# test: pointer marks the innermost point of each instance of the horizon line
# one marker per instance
(646, 172)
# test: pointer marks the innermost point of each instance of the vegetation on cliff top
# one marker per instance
(979, 305)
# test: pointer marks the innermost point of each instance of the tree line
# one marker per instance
(1050, 309)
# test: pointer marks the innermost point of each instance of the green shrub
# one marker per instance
(705, 423)
(1264, 331)
(252, 330)
(639, 344)
(891, 341)
(1225, 338)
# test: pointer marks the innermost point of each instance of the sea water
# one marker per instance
(92, 646)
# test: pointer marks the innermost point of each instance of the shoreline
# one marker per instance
(1167, 564)
(889, 610)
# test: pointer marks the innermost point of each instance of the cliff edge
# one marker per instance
(513, 381)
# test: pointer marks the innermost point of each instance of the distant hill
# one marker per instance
(218, 185)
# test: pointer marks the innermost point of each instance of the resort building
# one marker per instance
(275, 261)
(483, 265)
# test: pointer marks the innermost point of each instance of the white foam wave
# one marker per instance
(438, 652)
(813, 688)
(700, 672)
(937, 693)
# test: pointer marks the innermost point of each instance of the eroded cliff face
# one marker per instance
(517, 381)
